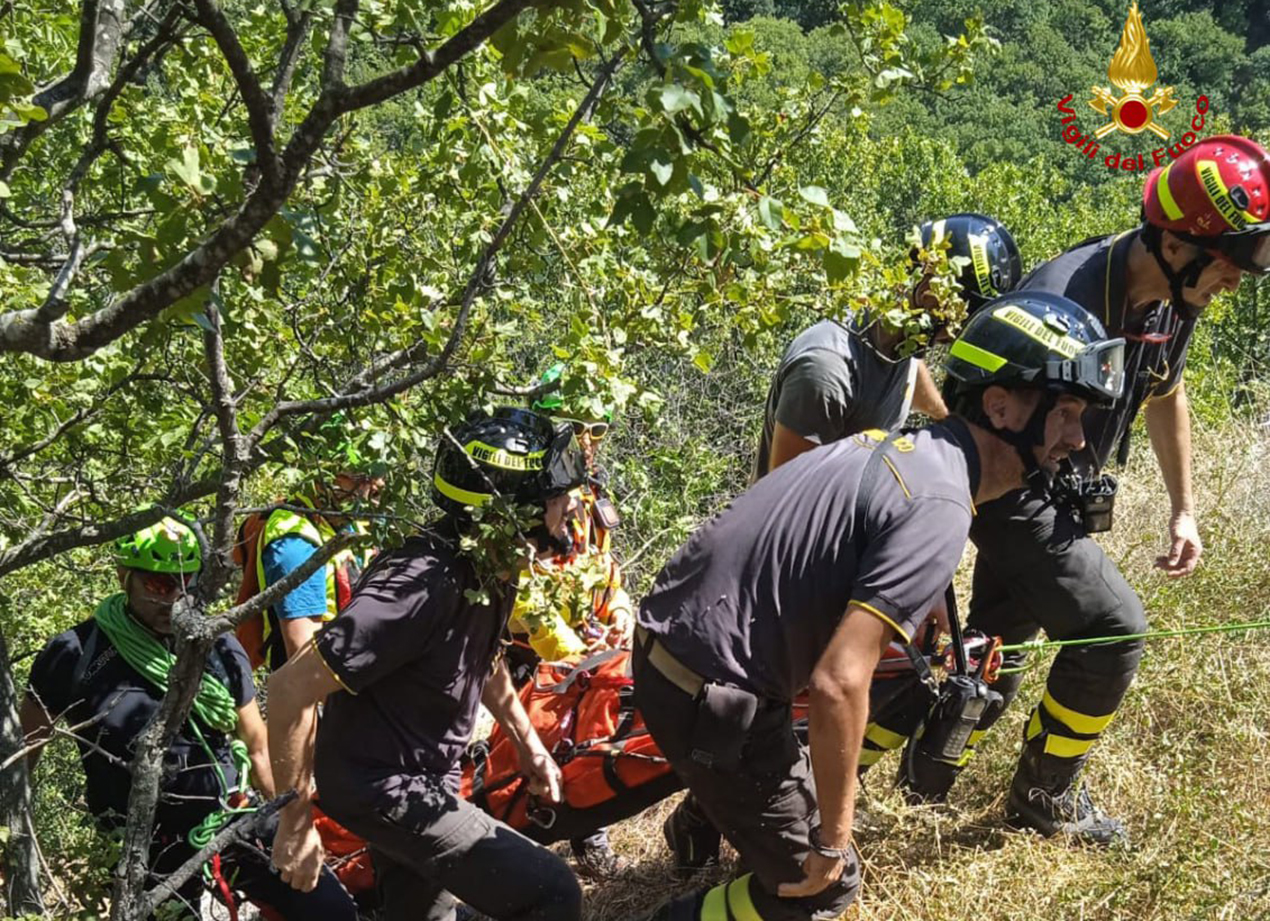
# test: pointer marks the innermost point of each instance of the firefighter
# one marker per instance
(107, 677)
(403, 670)
(1206, 223)
(808, 576)
(838, 379)
(574, 604)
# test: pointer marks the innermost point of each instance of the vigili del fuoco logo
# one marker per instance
(1132, 71)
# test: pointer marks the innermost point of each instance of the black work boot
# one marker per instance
(923, 779)
(1047, 795)
(693, 841)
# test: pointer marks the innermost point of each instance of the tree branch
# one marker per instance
(230, 834)
(476, 281)
(22, 331)
(101, 35)
(260, 107)
(299, 25)
(336, 56)
(430, 64)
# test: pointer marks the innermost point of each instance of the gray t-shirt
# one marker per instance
(831, 384)
(754, 596)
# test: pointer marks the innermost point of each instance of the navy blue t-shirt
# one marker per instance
(109, 685)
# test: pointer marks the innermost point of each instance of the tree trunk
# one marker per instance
(147, 775)
(22, 871)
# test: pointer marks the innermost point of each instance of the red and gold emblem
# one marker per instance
(1133, 70)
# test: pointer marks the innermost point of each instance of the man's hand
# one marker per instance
(545, 779)
(297, 848)
(819, 873)
(1185, 548)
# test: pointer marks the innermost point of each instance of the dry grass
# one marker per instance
(1186, 764)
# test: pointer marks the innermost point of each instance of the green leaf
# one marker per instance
(661, 168)
(675, 98)
(4, 189)
(187, 168)
(771, 211)
(704, 361)
(816, 195)
(841, 260)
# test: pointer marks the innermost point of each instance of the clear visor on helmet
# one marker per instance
(1097, 370)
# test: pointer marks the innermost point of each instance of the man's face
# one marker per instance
(151, 596)
(355, 487)
(557, 517)
(1220, 275)
(1064, 432)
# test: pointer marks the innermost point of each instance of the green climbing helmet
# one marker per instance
(552, 402)
(338, 443)
(167, 546)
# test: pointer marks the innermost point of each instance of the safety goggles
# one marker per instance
(1248, 249)
(1096, 370)
(161, 584)
(596, 430)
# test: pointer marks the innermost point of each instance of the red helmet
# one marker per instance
(1216, 195)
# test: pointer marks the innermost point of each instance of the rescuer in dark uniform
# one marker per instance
(402, 671)
(1206, 224)
(806, 578)
(838, 379)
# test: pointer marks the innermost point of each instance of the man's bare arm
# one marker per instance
(37, 727)
(926, 398)
(502, 701)
(295, 690)
(838, 714)
(252, 732)
(1168, 421)
(786, 445)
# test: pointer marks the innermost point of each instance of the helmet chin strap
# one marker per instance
(1178, 280)
(1024, 441)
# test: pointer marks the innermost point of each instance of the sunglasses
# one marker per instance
(162, 583)
(596, 430)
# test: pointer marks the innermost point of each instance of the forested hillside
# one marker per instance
(223, 222)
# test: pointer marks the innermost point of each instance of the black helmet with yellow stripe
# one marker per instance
(993, 267)
(1035, 339)
(514, 454)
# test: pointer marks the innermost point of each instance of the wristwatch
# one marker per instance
(837, 853)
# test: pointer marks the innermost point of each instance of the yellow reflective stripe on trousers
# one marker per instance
(871, 756)
(975, 737)
(880, 735)
(1077, 722)
(1034, 726)
(715, 905)
(1063, 747)
(739, 900)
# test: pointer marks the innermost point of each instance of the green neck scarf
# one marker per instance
(213, 706)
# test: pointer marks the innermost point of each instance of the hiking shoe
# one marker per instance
(1070, 813)
(598, 861)
(693, 841)
(1046, 795)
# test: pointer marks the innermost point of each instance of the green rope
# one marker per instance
(214, 705)
(1039, 645)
